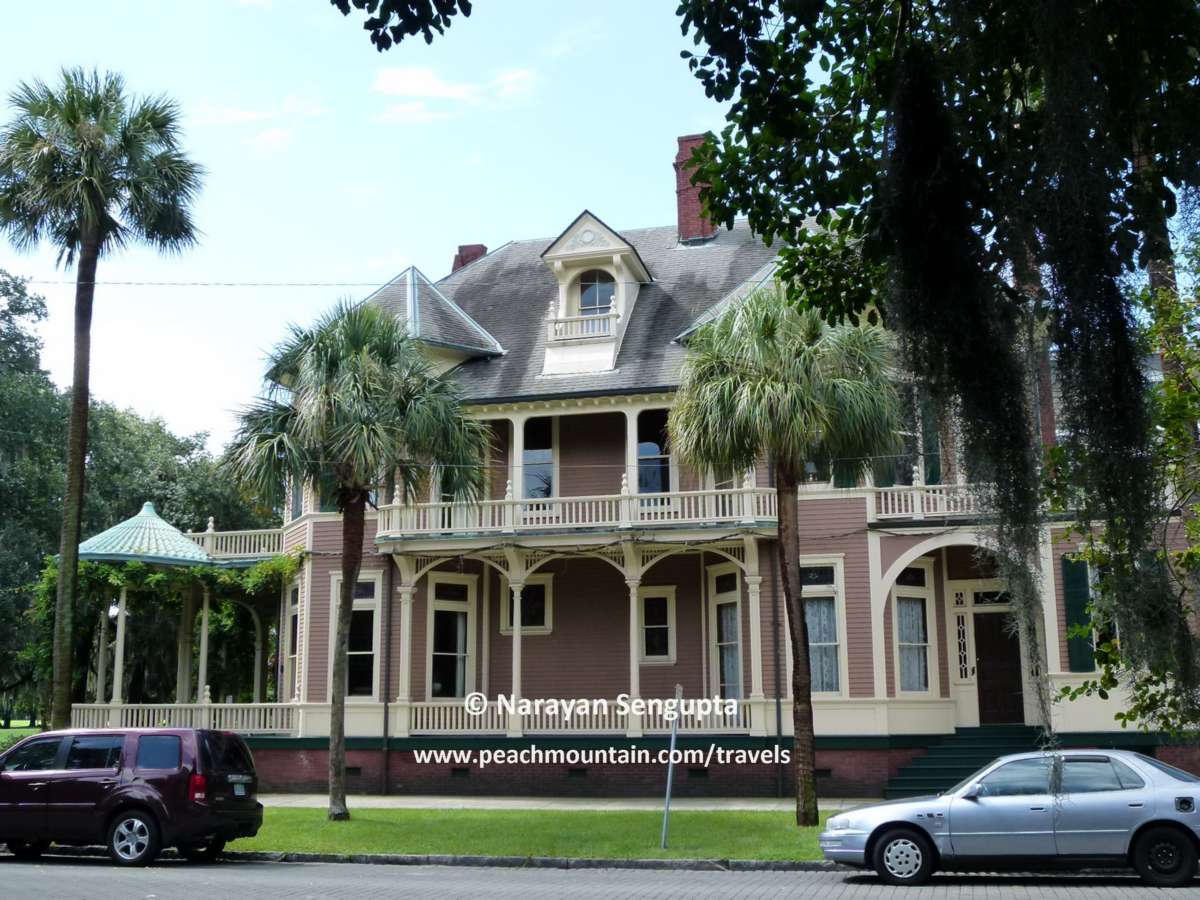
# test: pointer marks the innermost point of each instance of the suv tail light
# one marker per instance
(198, 789)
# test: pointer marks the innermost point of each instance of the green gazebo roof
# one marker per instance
(145, 538)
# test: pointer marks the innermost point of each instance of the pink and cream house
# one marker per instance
(599, 565)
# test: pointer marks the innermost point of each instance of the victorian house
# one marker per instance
(599, 566)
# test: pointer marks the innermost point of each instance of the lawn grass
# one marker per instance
(576, 833)
(9, 736)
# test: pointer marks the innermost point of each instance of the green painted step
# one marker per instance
(955, 756)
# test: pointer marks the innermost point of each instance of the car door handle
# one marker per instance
(107, 781)
(1136, 805)
(1038, 808)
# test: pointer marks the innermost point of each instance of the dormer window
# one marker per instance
(596, 292)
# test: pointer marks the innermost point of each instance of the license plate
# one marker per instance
(239, 790)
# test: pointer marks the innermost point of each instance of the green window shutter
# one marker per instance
(1076, 596)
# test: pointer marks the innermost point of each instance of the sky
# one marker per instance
(330, 162)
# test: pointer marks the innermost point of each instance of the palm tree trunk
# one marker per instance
(803, 752)
(77, 433)
(353, 514)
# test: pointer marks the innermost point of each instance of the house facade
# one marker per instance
(600, 568)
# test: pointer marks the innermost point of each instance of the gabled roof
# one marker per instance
(144, 538)
(588, 235)
(431, 316)
(747, 287)
(508, 291)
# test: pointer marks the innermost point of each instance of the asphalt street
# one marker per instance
(65, 878)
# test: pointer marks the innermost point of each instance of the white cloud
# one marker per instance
(414, 112)
(271, 140)
(428, 97)
(422, 82)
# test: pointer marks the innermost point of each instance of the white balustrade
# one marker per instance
(247, 718)
(248, 544)
(567, 328)
(926, 501)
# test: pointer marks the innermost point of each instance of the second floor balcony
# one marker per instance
(746, 506)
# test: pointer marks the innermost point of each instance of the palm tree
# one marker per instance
(771, 379)
(89, 169)
(350, 404)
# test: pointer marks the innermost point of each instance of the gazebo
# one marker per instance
(148, 539)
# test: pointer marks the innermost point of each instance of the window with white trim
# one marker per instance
(537, 606)
(537, 464)
(913, 598)
(819, 589)
(725, 616)
(362, 660)
(656, 611)
(451, 628)
(291, 642)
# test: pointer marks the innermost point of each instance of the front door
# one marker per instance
(998, 670)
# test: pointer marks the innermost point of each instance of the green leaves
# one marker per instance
(351, 404)
(84, 159)
(771, 379)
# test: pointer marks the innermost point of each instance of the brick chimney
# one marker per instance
(467, 253)
(693, 225)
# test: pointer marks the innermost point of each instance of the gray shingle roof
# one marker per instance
(437, 319)
(508, 291)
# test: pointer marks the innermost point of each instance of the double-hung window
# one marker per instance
(537, 465)
(657, 611)
(913, 597)
(820, 590)
(291, 642)
(362, 671)
(654, 453)
(537, 606)
(451, 628)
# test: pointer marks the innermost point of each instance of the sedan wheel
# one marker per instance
(903, 856)
(1165, 857)
(133, 839)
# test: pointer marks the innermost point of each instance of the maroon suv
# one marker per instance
(135, 790)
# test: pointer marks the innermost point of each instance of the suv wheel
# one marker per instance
(27, 850)
(209, 851)
(903, 856)
(1164, 857)
(133, 838)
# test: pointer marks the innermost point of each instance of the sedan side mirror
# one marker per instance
(973, 792)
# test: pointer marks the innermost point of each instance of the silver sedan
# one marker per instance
(1034, 810)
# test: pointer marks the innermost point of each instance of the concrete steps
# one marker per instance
(957, 755)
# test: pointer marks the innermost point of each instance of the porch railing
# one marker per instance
(750, 505)
(248, 544)
(568, 328)
(248, 718)
(451, 717)
(926, 501)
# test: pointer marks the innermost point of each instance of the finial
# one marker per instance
(211, 525)
(624, 482)
(207, 694)
(508, 490)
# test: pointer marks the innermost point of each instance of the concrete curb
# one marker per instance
(506, 862)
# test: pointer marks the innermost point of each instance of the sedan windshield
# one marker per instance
(974, 776)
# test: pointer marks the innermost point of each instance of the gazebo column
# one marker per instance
(119, 651)
(202, 680)
(183, 647)
(259, 655)
(102, 654)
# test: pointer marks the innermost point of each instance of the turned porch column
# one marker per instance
(202, 679)
(404, 694)
(631, 449)
(633, 727)
(102, 658)
(757, 703)
(517, 456)
(183, 647)
(119, 650)
(514, 718)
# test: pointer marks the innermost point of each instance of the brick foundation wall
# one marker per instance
(841, 773)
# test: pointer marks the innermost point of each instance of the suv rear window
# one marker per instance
(95, 751)
(158, 751)
(222, 751)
